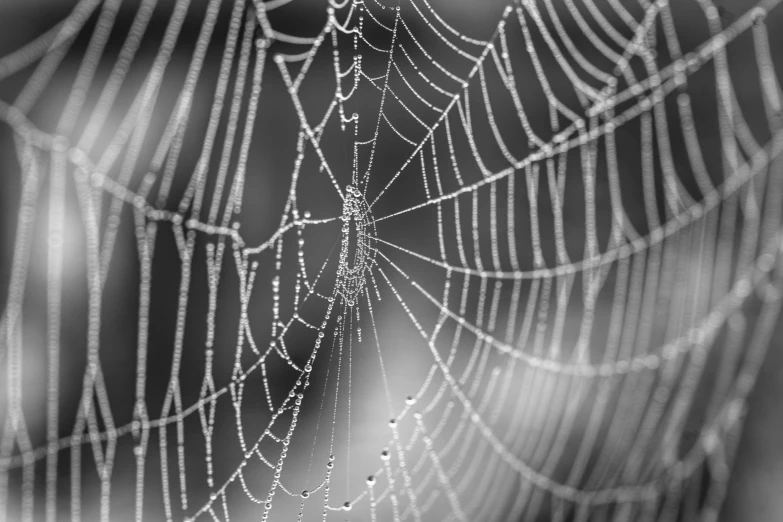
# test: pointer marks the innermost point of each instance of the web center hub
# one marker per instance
(356, 253)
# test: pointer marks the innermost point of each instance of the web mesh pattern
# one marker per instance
(591, 297)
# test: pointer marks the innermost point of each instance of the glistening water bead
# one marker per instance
(356, 257)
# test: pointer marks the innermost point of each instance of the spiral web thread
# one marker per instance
(694, 290)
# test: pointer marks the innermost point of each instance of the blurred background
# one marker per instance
(757, 475)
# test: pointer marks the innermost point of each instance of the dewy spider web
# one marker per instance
(588, 371)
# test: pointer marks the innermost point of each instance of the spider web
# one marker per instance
(589, 285)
